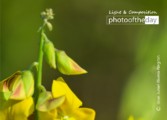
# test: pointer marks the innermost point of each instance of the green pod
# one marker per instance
(67, 65)
(49, 53)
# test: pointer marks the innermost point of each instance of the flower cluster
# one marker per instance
(22, 96)
(46, 16)
(60, 104)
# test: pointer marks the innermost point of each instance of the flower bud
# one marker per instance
(49, 25)
(49, 53)
(46, 102)
(66, 65)
(18, 86)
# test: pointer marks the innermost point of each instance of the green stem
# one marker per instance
(40, 61)
(38, 83)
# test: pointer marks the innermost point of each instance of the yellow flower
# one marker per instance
(17, 110)
(16, 102)
(70, 109)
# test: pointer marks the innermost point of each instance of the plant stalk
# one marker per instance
(38, 83)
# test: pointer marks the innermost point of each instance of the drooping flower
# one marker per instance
(67, 65)
(71, 108)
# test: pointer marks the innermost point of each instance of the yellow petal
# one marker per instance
(49, 115)
(60, 88)
(3, 114)
(84, 114)
(22, 109)
(17, 110)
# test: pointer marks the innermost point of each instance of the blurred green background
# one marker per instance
(120, 60)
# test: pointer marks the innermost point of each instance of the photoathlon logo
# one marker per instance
(130, 17)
